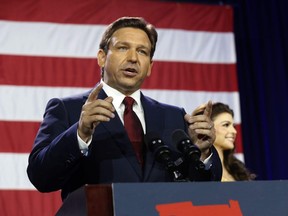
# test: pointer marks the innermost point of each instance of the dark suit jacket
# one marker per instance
(57, 163)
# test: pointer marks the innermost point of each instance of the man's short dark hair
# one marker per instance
(133, 22)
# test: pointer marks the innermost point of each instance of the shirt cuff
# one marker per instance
(83, 146)
(208, 162)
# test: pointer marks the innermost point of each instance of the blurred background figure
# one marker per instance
(223, 118)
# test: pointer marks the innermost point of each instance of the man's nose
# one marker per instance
(132, 55)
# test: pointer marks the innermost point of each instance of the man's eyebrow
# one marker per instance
(128, 43)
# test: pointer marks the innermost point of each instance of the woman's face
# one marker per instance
(225, 131)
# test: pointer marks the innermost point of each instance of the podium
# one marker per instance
(179, 199)
(88, 200)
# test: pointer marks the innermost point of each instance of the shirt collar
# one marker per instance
(118, 97)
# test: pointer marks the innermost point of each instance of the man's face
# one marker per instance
(127, 62)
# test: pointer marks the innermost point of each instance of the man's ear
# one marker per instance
(101, 58)
(150, 69)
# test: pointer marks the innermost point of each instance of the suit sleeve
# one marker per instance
(216, 167)
(214, 172)
(55, 155)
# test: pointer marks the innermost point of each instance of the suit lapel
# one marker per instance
(153, 113)
(154, 123)
(119, 134)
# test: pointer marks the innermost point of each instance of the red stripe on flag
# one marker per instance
(32, 203)
(192, 76)
(238, 141)
(17, 137)
(197, 17)
(73, 72)
(48, 71)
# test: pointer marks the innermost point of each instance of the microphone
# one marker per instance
(163, 154)
(190, 151)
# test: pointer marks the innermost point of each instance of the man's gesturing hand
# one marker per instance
(93, 112)
(201, 128)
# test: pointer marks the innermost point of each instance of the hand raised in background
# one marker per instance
(201, 128)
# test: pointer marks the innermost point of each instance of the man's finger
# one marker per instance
(94, 94)
(208, 109)
(109, 100)
(199, 110)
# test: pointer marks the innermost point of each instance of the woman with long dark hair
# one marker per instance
(223, 118)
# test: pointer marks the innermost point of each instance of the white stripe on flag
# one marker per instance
(190, 100)
(13, 172)
(27, 103)
(240, 156)
(81, 41)
(195, 46)
(23, 103)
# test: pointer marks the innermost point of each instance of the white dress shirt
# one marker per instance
(117, 102)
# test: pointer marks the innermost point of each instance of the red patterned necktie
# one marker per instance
(134, 128)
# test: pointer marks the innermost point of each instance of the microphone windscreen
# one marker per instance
(178, 136)
(150, 136)
(152, 140)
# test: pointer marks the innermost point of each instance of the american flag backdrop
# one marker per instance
(48, 49)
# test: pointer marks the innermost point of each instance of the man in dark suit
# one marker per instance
(83, 140)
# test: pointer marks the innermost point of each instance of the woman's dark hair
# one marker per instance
(233, 165)
(218, 108)
(133, 22)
